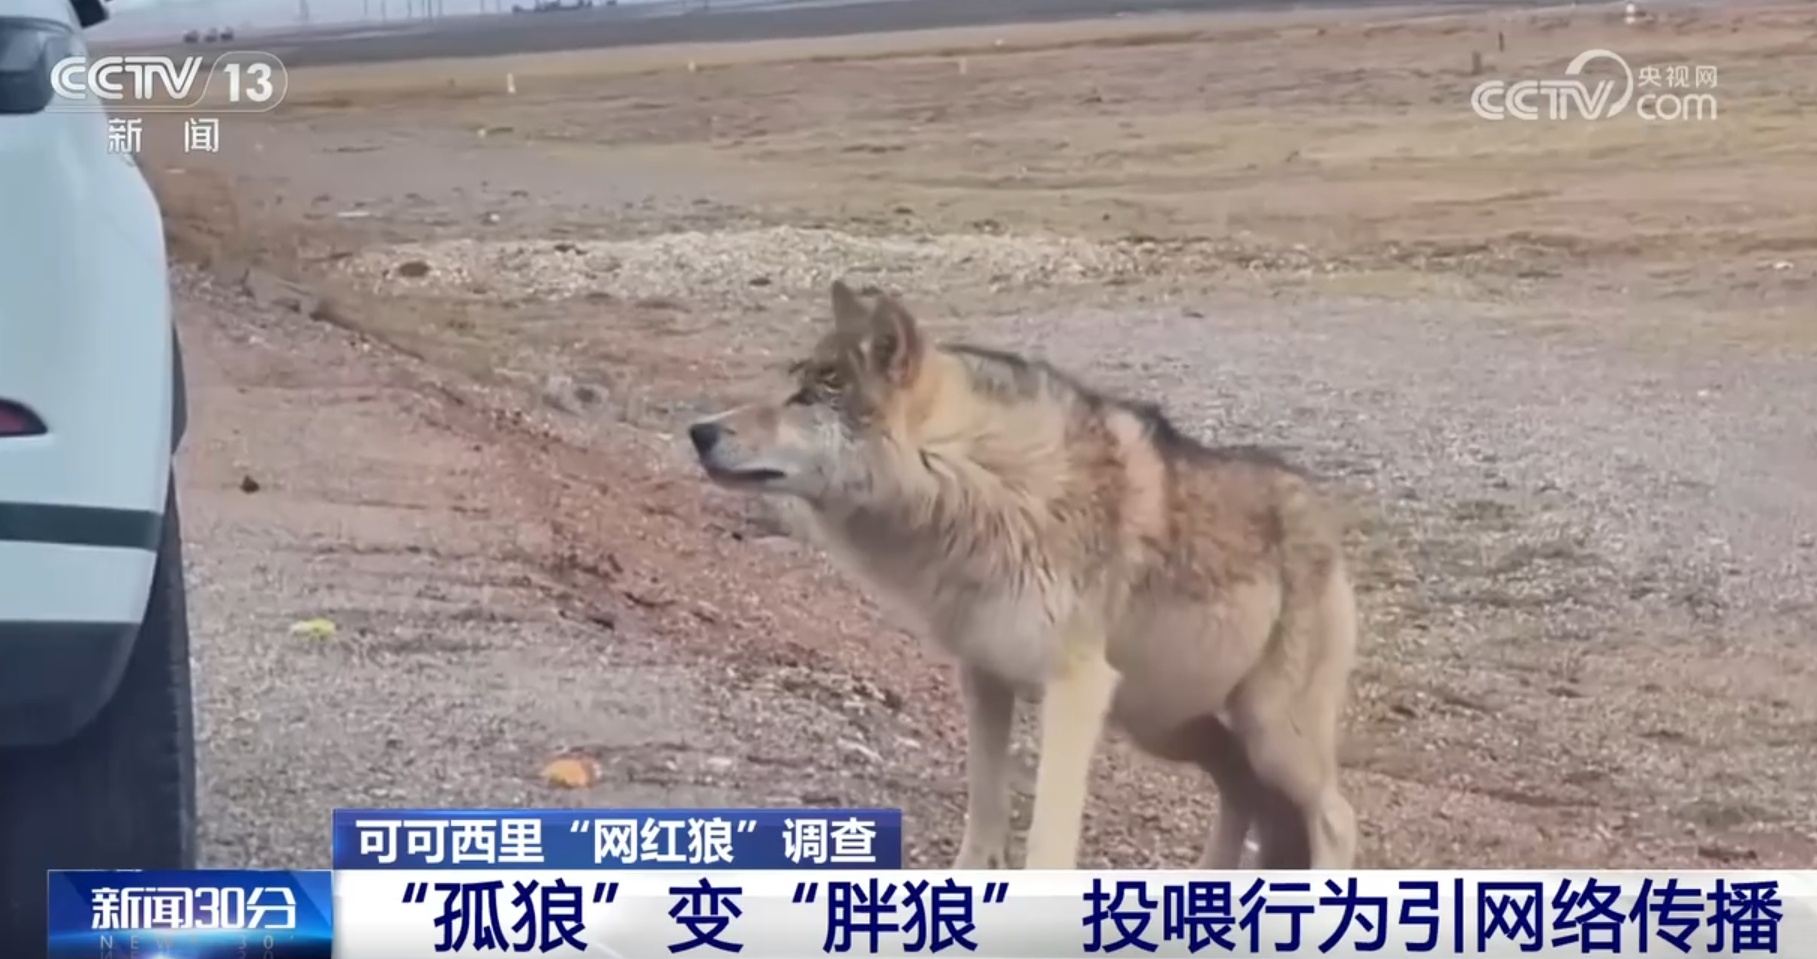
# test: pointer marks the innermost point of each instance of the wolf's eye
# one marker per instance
(818, 384)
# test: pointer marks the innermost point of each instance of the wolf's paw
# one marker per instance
(981, 857)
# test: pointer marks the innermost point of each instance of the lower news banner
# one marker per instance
(1009, 914)
(190, 914)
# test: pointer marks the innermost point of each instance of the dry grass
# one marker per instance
(1333, 153)
(1352, 140)
(431, 79)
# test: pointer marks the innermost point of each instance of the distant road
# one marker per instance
(640, 25)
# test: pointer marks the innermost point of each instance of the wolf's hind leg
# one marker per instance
(990, 712)
(1220, 754)
(1295, 762)
(1287, 714)
(1229, 835)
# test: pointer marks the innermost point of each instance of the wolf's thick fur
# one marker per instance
(1065, 544)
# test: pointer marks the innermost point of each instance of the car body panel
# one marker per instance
(86, 342)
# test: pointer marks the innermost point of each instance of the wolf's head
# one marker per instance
(832, 434)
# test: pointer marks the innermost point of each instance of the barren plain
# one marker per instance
(1561, 371)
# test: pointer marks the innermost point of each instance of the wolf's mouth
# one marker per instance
(747, 477)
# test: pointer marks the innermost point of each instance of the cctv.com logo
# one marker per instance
(1574, 97)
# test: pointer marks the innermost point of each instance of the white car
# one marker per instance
(97, 740)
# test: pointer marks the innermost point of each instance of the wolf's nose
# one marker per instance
(704, 436)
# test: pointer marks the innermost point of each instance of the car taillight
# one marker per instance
(16, 420)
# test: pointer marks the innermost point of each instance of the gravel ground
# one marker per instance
(1587, 622)
(326, 477)
(1579, 468)
(740, 269)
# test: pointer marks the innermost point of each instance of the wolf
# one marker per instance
(1077, 549)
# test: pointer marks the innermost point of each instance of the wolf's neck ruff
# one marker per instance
(976, 464)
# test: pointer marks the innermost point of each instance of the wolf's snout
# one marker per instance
(704, 435)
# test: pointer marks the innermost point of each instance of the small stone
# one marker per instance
(558, 393)
(856, 748)
(274, 292)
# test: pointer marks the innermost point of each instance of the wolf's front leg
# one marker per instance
(1073, 711)
(990, 711)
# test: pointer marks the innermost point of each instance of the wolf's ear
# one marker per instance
(896, 346)
(850, 315)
